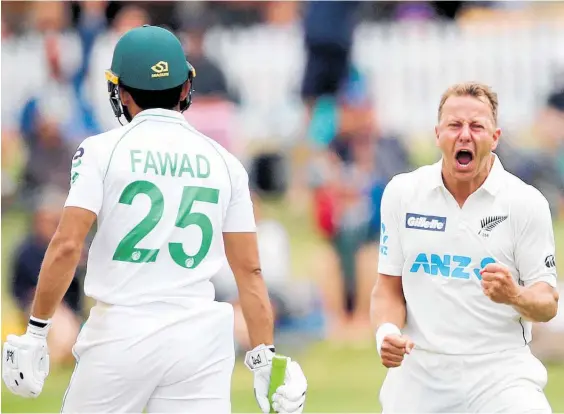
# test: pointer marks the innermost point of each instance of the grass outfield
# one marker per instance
(341, 379)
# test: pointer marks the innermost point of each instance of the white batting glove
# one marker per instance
(25, 360)
(289, 397)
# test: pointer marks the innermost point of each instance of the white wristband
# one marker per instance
(259, 357)
(38, 327)
(383, 331)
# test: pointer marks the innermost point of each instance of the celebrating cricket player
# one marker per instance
(466, 266)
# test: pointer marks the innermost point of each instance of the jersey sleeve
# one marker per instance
(391, 259)
(240, 216)
(87, 186)
(535, 247)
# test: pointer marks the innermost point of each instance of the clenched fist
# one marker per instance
(393, 349)
(499, 285)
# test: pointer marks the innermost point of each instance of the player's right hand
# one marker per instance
(394, 348)
(290, 396)
(25, 362)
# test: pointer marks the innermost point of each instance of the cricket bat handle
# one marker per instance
(277, 375)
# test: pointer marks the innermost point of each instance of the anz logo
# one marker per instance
(447, 265)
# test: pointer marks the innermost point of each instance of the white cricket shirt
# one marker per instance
(439, 248)
(163, 194)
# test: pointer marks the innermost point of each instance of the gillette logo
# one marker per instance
(421, 222)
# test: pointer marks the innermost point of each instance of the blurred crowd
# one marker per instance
(54, 95)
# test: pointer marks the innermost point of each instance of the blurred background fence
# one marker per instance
(323, 102)
(403, 62)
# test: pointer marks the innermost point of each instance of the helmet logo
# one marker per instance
(160, 69)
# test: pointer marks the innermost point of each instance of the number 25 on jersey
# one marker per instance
(127, 250)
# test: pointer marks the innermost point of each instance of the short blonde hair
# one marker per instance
(475, 89)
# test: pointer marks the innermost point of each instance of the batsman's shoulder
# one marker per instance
(104, 139)
(96, 150)
(232, 163)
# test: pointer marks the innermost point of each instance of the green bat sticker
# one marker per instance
(277, 375)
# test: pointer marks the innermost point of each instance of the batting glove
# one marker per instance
(290, 396)
(25, 360)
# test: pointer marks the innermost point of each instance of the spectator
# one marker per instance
(26, 266)
(348, 181)
(212, 85)
(328, 35)
(57, 95)
(415, 11)
(49, 156)
(268, 173)
(281, 13)
(552, 124)
(12, 159)
(541, 165)
(328, 31)
(91, 23)
(213, 112)
(237, 13)
(53, 50)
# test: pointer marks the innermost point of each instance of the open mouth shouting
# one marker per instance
(464, 159)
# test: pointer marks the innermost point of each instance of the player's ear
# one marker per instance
(125, 97)
(185, 90)
(495, 137)
(437, 135)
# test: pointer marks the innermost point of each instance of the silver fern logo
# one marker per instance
(489, 223)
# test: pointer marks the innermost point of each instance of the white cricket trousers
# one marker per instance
(159, 358)
(503, 382)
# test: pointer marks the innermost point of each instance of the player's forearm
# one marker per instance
(57, 272)
(387, 306)
(255, 303)
(537, 303)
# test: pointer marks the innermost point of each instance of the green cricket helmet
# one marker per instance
(149, 58)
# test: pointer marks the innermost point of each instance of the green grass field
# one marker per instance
(341, 378)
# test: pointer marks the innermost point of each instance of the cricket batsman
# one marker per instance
(466, 266)
(169, 205)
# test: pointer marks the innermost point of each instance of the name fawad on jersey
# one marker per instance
(173, 164)
(422, 222)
